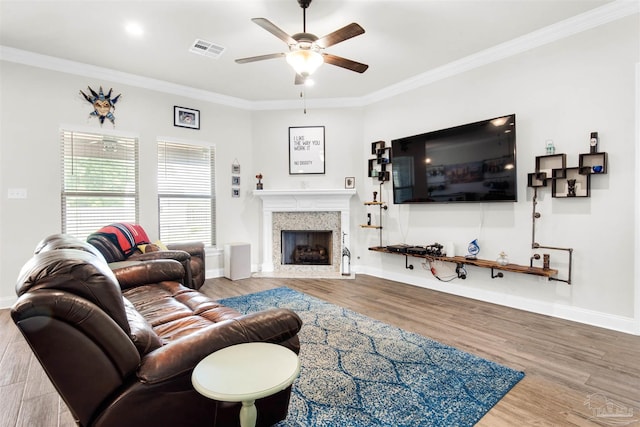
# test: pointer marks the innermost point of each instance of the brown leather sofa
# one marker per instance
(190, 254)
(120, 346)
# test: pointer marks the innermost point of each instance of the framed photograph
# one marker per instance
(235, 180)
(235, 168)
(235, 192)
(349, 182)
(186, 117)
(306, 150)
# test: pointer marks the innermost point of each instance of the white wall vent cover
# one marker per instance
(205, 48)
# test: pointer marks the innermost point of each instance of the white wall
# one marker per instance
(36, 102)
(343, 137)
(560, 91)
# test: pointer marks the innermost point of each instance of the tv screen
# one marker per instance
(475, 162)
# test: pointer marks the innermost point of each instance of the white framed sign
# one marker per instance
(306, 150)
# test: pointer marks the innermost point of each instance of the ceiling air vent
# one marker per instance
(205, 48)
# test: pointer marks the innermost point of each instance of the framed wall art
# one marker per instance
(306, 150)
(235, 168)
(186, 117)
(350, 182)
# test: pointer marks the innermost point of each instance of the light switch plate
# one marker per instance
(17, 193)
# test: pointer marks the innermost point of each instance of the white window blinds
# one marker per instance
(99, 181)
(186, 192)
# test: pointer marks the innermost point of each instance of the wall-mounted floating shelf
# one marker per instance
(572, 183)
(377, 166)
(593, 163)
(483, 263)
(567, 182)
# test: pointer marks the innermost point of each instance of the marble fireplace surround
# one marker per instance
(320, 209)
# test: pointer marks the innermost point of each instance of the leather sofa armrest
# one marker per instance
(178, 255)
(138, 273)
(195, 249)
(181, 356)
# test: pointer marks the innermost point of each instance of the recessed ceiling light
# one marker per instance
(134, 29)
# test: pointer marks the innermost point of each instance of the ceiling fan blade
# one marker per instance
(299, 80)
(340, 35)
(259, 58)
(274, 29)
(339, 61)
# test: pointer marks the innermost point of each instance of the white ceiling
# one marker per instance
(403, 38)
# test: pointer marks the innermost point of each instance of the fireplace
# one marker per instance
(306, 247)
(304, 210)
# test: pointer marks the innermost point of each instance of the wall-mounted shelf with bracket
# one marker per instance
(381, 206)
(483, 263)
(566, 183)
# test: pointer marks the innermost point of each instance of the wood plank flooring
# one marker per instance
(572, 370)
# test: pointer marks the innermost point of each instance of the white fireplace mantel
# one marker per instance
(302, 200)
(305, 200)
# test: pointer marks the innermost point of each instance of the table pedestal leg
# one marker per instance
(248, 414)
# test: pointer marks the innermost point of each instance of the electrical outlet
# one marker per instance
(17, 193)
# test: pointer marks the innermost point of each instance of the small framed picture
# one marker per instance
(235, 180)
(186, 117)
(235, 168)
(349, 182)
(235, 192)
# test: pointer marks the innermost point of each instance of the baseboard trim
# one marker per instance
(213, 273)
(624, 324)
(7, 302)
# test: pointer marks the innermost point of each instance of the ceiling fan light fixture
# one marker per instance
(305, 61)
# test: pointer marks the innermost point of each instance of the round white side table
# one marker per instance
(244, 373)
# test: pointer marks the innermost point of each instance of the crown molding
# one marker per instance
(77, 68)
(599, 16)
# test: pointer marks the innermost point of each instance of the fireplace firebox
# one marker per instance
(306, 247)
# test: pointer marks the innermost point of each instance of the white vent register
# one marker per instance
(205, 48)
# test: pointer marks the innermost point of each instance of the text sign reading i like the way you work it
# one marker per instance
(306, 150)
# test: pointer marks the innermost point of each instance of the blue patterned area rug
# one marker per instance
(359, 372)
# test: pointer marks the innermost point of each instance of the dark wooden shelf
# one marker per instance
(514, 268)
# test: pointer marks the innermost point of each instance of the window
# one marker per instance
(99, 181)
(186, 195)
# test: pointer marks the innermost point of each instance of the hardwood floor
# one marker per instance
(572, 370)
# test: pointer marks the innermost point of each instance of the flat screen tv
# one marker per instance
(475, 162)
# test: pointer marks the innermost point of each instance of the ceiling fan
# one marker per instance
(306, 50)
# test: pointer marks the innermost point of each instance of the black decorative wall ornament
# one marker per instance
(102, 104)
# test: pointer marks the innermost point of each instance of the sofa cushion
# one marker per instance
(142, 335)
(174, 311)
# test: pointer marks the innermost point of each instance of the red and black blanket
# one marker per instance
(124, 235)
